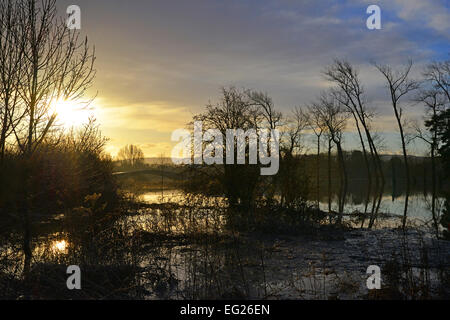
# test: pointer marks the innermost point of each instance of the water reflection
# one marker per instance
(159, 197)
(419, 204)
(179, 251)
(59, 246)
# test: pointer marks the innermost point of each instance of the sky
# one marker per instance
(160, 62)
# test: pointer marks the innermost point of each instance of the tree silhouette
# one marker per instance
(399, 85)
(42, 61)
(131, 157)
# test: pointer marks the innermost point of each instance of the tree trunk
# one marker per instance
(366, 161)
(329, 175)
(405, 159)
(318, 171)
(4, 130)
(433, 189)
(343, 192)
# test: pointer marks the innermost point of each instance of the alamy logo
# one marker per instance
(74, 280)
(374, 281)
(209, 147)
(74, 19)
(374, 20)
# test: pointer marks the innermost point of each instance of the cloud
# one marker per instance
(161, 61)
(434, 14)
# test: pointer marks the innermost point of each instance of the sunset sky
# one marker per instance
(160, 62)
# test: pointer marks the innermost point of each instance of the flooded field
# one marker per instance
(391, 208)
(180, 247)
(285, 267)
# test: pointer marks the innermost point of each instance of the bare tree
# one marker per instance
(438, 74)
(333, 120)
(292, 146)
(296, 124)
(433, 101)
(350, 93)
(266, 105)
(234, 110)
(436, 98)
(87, 138)
(59, 66)
(316, 125)
(246, 110)
(12, 48)
(399, 85)
(42, 62)
(131, 156)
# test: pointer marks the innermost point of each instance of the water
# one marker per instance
(273, 267)
(159, 197)
(419, 205)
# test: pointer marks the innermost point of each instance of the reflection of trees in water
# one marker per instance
(166, 254)
(156, 257)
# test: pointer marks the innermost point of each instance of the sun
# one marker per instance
(71, 113)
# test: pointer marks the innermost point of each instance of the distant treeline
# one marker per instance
(393, 170)
(149, 175)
